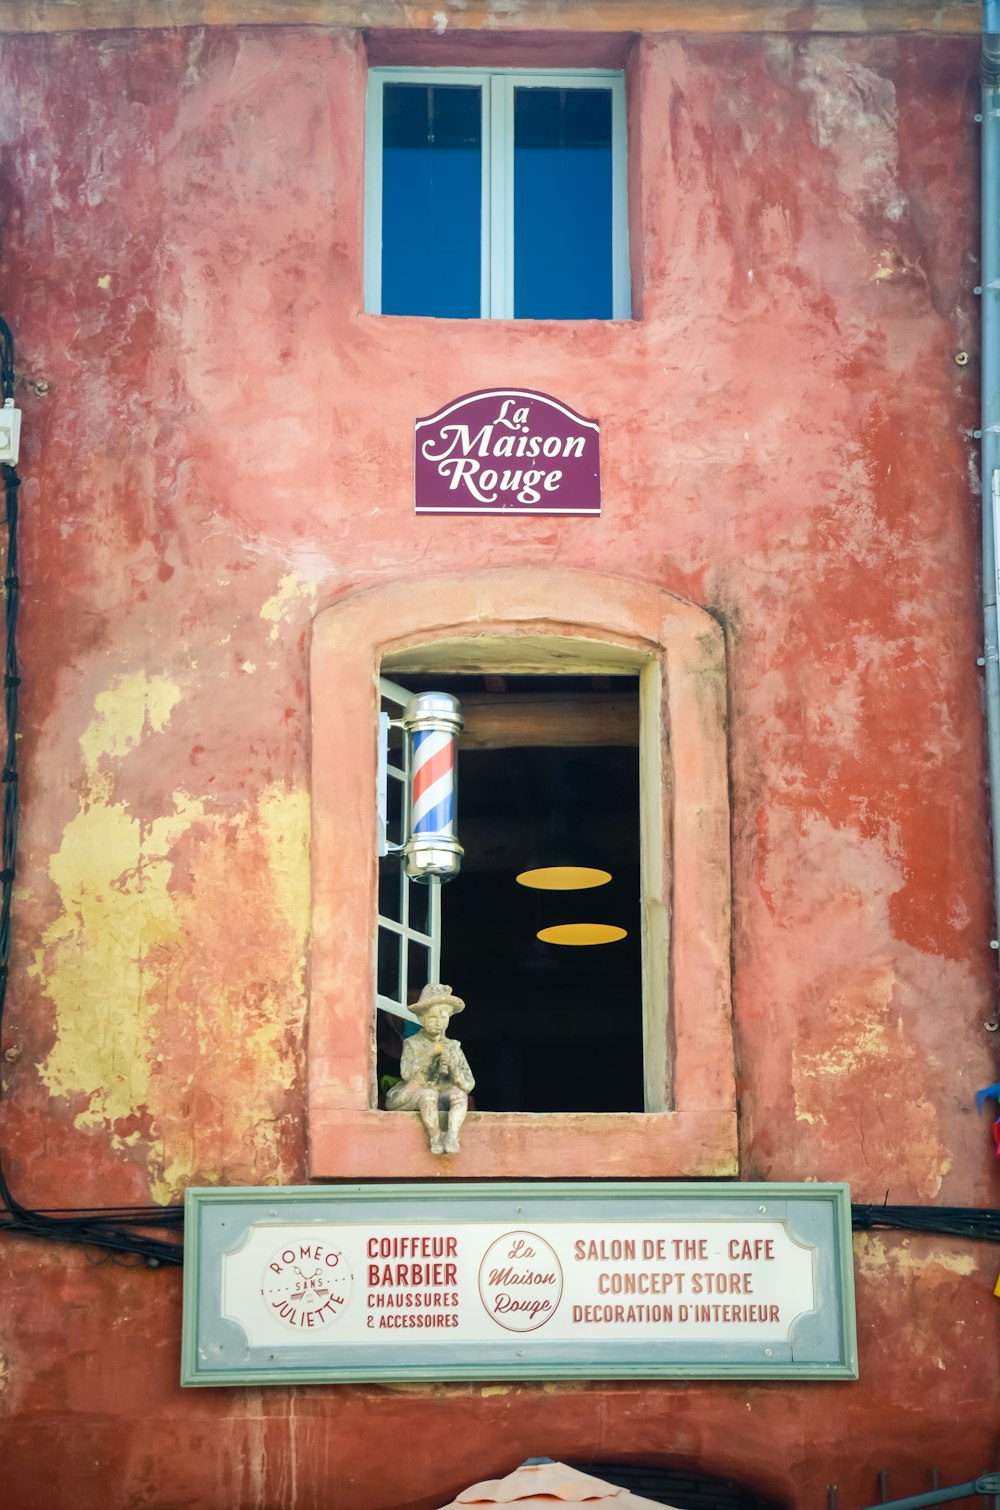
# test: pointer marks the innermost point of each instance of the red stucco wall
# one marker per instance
(225, 447)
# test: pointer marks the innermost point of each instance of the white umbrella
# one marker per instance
(540, 1484)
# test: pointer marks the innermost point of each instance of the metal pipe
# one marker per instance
(985, 1484)
(990, 455)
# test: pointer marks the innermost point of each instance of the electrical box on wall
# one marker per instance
(10, 434)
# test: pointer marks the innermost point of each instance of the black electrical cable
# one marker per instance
(7, 372)
(124, 1229)
(954, 1221)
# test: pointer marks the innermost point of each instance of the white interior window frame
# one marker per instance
(407, 934)
(497, 208)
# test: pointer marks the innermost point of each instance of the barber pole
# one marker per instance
(432, 722)
(433, 782)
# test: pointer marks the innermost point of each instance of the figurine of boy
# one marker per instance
(436, 1074)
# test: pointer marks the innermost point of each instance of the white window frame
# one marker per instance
(428, 942)
(497, 222)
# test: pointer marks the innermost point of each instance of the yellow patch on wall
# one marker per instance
(134, 706)
(875, 1036)
(157, 1015)
(285, 817)
(847, 1058)
(291, 590)
(873, 1256)
(112, 875)
(265, 1046)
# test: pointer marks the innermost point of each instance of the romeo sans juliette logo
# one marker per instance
(307, 1285)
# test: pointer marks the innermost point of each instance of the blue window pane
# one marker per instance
(562, 204)
(431, 199)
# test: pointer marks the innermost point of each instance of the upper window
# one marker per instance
(496, 194)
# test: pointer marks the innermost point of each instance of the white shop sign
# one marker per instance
(488, 1281)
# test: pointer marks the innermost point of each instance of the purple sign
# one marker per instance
(507, 451)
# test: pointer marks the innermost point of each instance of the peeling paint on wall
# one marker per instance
(111, 873)
(854, 117)
(146, 902)
(220, 1098)
(135, 705)
(284, 816)
(874, 1254)
(292, 593)
(95, 963)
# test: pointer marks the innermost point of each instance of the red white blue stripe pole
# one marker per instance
(432, 722)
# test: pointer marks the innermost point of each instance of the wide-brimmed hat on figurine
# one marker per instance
(437, 996)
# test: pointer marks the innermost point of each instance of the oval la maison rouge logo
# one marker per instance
(507, 451)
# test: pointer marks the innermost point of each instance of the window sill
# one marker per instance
(528, 1145)
(514, 322)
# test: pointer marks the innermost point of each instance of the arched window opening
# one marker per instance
(547, 625)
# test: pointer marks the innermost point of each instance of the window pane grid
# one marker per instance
(393, 926)
(408, 945)
(394, 806)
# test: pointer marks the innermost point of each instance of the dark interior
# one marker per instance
(678, 1487)
(547, 1027)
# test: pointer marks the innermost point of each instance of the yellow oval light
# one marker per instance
(582, 933)
(563, 878)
